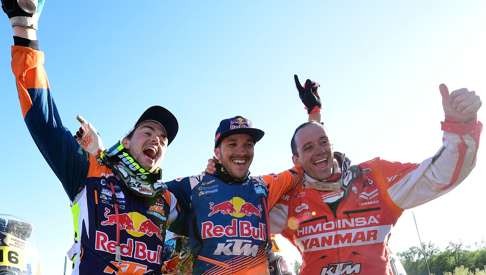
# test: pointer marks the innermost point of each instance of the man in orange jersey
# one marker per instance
(340, 218)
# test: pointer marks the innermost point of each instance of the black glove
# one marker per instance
(23, 13)
(308, 94)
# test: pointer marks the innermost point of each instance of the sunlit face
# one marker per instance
(314, 152)
(147, 144)
(235, 153)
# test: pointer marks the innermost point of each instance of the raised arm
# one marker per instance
(56, 143)
(310, 97)
(452, 163)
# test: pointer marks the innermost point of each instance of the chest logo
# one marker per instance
(134, 223)
(301, 207)
(369, 195)
(236, 207)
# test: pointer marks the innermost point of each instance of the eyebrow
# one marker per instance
(230, 139)
(153, 129)
(320, 139)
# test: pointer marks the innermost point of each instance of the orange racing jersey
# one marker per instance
(352, 238)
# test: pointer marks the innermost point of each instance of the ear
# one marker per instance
(217, 153)
(295, 159)
(126, 143)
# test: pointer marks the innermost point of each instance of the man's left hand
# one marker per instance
(88, 137)
(461, 105)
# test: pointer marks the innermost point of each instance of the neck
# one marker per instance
(132, 174)
(225, 176)
(331, 183)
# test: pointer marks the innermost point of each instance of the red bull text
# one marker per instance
(237, 228)
(131, 249)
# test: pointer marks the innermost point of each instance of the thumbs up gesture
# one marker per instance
(461, 105)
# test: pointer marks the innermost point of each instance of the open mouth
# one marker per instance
(150, 153)
(321, 162)
(239, 161)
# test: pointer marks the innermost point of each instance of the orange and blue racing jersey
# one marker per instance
(116, 232)
(347, 231)
(227, 222)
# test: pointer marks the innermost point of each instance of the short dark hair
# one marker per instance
(293, 145)
(130, 134)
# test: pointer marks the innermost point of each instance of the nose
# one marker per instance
(321, 149)
(241, 150)
(156, 139)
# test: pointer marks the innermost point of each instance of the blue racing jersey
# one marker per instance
(227, 222)
(110, 221)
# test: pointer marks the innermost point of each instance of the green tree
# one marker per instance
(455, 259)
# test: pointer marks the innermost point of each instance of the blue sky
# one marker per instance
(379, 64)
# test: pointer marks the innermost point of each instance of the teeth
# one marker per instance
(320, 161)
(239, 161)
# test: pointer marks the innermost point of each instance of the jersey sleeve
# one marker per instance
(411, 185)
(279, 214)
(57, 145)
(280, 184)
(173, 209)
(181, 190)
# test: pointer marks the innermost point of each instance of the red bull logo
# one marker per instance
(249, 209)
(237, 228)
(239, 122)
(131, 248)
(235, 207)
(123, 220)
(134, 223)
(225, 208)
(149, 228)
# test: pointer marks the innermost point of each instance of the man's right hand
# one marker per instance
(211, 166)
(461, 105)
(88, 137)
(23, 13)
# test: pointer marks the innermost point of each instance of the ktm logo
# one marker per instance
(341, 268)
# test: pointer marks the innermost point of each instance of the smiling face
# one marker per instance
(147, 144)
(313, 151)
(235, 153)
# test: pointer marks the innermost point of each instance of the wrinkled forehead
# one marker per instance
(238, 137)
(153, 125)
(310, 132)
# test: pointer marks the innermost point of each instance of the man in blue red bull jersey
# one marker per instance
(120, 206)
(227, 213)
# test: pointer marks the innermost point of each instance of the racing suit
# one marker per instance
(346, 231)
(228, 223)
(107, 217)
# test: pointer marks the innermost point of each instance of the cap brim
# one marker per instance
(255, 133)
(162, 116)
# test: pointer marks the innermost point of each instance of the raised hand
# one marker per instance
(23, 13)
(461, 105)
(88, 137)
(211, 166)
(309, 95)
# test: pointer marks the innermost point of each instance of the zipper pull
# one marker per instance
(117, 253)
